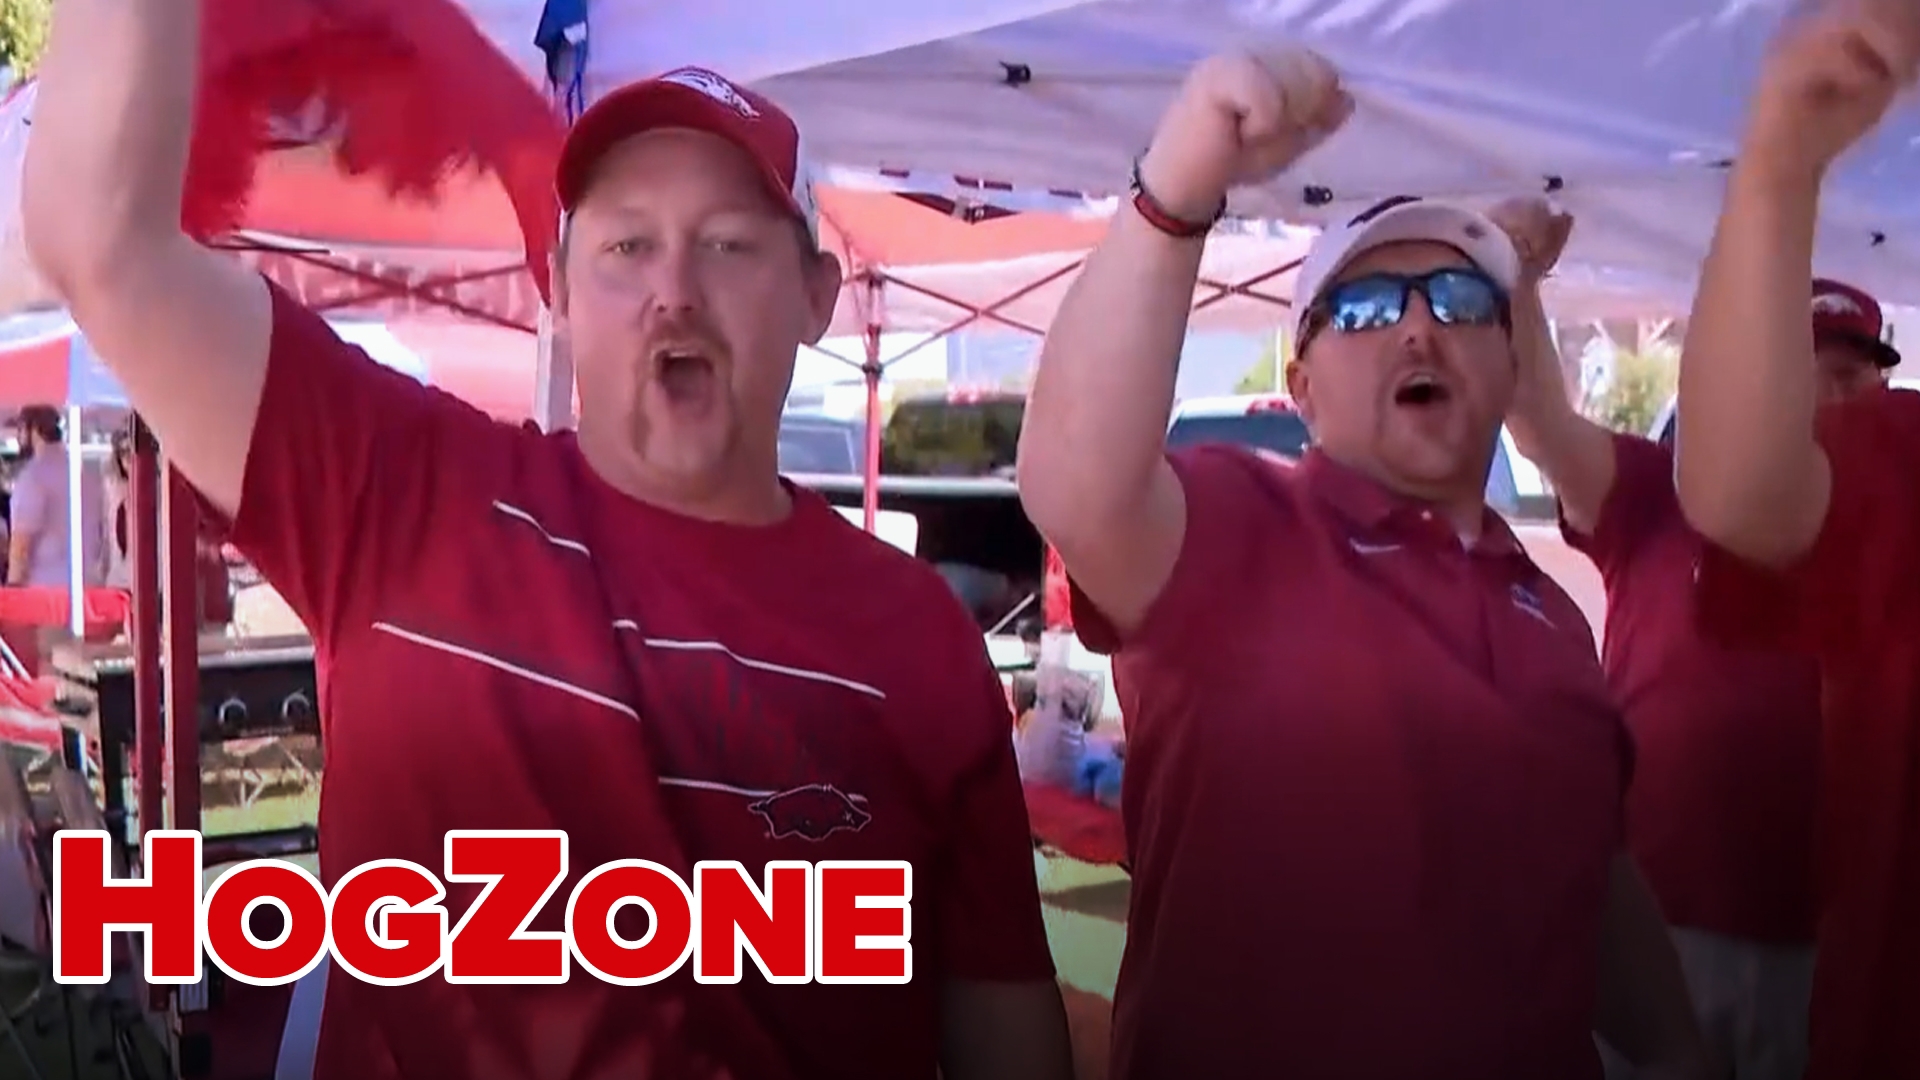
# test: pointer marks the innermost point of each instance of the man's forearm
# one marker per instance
(1103, 392)
(1575, 453)
(113, 121)
(19, 546)
(1747, 385)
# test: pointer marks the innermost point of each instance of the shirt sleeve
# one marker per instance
(1220, 485)
(1854, 579)
(341, 472)
(992, 929)
(1641, 497)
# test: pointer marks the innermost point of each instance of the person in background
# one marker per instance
(1812, 514)
(599, 630)
(1374, 781)
(1721, 813)
(41, 529)
(119, 490)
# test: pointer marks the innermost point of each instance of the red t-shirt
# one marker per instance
(1373, 796)
(1721, 814)
(483, 607)
(1854, 602)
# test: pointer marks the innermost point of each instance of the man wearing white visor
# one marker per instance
(1374, 786)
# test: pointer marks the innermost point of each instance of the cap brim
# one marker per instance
(654, 106)
(1884, 355)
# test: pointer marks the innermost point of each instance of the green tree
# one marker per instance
(23, 34)
(1641, 384)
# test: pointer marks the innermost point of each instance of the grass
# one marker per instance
(265, 815)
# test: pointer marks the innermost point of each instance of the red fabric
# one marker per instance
(1854, 602)
(372, 504)
(1381, 768)
(1057, 594)
(24, 716)
(1727, 742)
(1077, 827)
(49, 605)
(417, 88)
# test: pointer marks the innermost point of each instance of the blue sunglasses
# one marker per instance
(1456, 296)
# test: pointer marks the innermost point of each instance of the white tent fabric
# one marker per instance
(1628, 109)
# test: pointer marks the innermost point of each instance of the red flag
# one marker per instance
(411, 90)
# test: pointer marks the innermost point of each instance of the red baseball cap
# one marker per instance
(700, 100)
(1842, 311)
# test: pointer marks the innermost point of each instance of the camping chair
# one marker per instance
(25, 944)
(111, 1006)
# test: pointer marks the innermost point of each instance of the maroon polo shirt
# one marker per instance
(505, 642)
(1721, 813)
(1374, 787)
(1854, 602)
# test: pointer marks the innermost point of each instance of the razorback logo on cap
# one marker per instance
(1833, 303)
(715, 87)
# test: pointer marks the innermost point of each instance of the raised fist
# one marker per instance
(1538, 231)
(1241, 119)
(1833, 72)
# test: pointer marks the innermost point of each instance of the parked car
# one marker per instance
(1270, 422)
(819, 444)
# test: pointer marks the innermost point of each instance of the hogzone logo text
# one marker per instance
(826, 922)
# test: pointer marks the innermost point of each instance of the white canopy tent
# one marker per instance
(1625, 111)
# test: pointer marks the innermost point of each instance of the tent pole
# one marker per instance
(553, 388)
(870, 496)
(76, 532)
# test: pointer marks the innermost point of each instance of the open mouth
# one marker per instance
(686, 375)
(1422, 389)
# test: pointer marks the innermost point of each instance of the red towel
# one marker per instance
(413, 89)
(1077, 827)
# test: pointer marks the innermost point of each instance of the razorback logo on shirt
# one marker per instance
(783, 740)
(813, 812)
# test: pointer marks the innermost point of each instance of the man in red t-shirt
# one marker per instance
(1721, 813)
(1374, 776)
(1814, 515)
(638, 634)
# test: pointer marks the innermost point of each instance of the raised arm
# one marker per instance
(1576, 454)
(1751, 476)
(185, 330)
(1093, 472)
(326, 467)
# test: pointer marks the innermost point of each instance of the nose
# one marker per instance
(674, 280)
(1417, 325)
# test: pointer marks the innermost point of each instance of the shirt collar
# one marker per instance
(1368, 503)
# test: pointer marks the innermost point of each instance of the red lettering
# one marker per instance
(773, 926)
(388, 926)
(521, 870)
(231, 942)
(602, 950)
(866, 922)
(88, 906)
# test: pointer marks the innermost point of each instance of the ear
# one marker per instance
(824, 276)
(1300, 388)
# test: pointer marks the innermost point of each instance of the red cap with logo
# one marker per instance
(1844, 312)
(700, 100)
